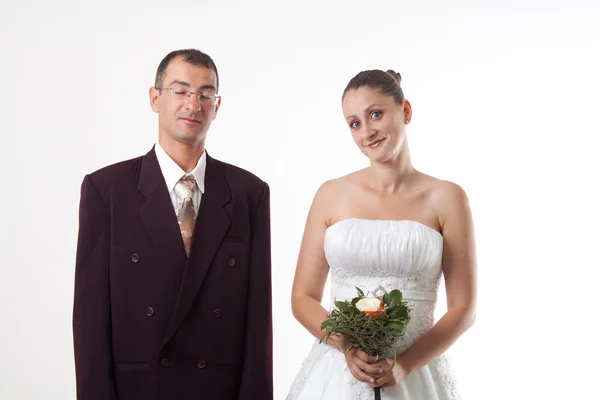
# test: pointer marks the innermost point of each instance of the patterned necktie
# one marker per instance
(186, 216)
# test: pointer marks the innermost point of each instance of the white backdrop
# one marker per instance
(505, 100)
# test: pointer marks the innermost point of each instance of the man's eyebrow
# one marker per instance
(208, 87)
(180, 83)
(186, 84)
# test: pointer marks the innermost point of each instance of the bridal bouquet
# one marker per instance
(371, 323)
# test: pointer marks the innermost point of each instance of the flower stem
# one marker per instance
(377, 390)
(350, 348)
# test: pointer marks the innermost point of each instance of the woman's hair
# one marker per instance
(387, 82)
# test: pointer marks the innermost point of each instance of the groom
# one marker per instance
(173, 269)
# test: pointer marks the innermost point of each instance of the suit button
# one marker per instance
(135, 257)
(217, 313)
(164, 362)
(150, 311)
(201, 364)
(231, 262)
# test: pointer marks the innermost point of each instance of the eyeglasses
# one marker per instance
(207, 97)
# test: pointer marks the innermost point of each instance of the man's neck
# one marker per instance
(184, 155)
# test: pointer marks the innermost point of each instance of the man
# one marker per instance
(173, 270)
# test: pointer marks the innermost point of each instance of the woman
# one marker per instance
(386, 225)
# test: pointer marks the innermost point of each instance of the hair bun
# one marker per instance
(395, 75)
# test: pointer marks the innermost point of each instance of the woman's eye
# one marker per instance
(354, 124)
(375, 114)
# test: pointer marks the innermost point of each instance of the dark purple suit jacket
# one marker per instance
(151, 324)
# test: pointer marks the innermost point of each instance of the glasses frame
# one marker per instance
(188, 94)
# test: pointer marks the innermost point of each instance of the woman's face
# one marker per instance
(377, 123)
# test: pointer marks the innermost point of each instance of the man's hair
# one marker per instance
(192, 56)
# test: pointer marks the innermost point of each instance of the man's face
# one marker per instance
(183, 116)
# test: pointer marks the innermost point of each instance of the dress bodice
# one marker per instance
(393, 254)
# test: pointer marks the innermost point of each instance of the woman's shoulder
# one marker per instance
(337, 186)
(444, 196)
(334, 195)
(445, 190)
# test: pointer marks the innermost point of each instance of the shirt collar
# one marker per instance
(173, 172)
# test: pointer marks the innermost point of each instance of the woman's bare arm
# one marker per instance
(312, 267)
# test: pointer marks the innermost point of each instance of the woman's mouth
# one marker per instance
(375, 143)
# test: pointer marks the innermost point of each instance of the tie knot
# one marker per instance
(186, 186)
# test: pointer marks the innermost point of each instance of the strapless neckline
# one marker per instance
(405, 221)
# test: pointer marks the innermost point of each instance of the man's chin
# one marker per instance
(190, 138)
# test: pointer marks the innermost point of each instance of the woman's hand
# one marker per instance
(393, 373)
(362, 365)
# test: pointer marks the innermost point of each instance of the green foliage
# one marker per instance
(373, 334)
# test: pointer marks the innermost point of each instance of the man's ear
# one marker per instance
(154, 93)
(217, 108)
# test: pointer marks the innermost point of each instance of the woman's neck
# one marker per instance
(390, 176)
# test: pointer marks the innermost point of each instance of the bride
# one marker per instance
(392, 226)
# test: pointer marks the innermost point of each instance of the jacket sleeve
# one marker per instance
(91, 305)
(257, 374)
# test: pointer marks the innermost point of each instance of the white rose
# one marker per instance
(369, 304)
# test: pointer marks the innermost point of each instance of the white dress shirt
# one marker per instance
(172, 173)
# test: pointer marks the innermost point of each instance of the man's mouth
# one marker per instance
(190, 120)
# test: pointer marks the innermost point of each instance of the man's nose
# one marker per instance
(192, 103)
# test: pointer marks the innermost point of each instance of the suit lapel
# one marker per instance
(159, 217)
(212, 224)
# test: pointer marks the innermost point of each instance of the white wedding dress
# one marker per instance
(405, 255)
